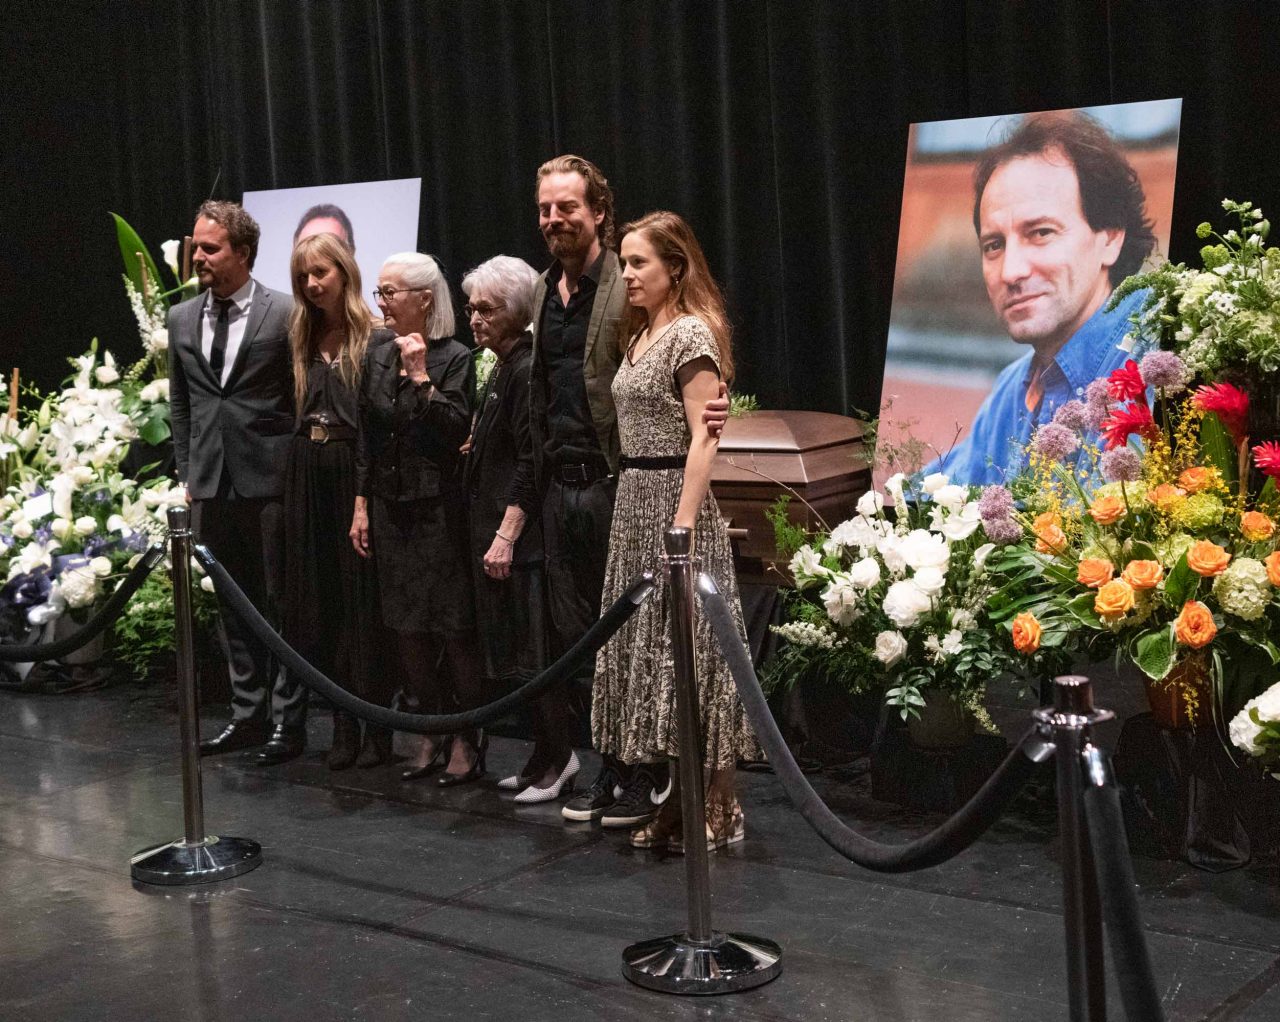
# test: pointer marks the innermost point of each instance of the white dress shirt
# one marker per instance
(237, 320)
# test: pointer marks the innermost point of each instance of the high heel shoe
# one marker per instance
(438, 759)
(564, 783)
(448, 780)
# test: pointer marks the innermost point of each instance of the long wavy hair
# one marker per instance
(305, 319)
(694, 290)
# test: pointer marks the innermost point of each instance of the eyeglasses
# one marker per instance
(387, 294)
(485, 312)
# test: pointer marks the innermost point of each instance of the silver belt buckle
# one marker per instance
(319, 433)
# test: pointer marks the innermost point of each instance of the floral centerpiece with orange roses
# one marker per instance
(1149, 553)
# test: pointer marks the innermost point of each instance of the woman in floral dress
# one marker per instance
(677, 352)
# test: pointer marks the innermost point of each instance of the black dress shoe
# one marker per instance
(285, 743)
(239, 734)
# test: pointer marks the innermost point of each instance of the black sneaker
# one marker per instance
(593, 802)
(641, 797)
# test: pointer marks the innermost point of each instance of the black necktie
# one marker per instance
(218, 354)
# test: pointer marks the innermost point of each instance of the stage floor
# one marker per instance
(384, 900)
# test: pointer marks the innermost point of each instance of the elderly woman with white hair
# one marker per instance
(416, 396)
(506, 531)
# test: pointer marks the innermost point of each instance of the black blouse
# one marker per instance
(407, 446)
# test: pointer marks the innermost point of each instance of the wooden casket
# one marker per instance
(766, 454)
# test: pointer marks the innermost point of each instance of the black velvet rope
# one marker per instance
(1129, 955)
(420, 723)
(946, 841)
(100, 621)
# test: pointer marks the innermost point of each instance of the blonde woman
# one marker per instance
(331, 596)
(677, 353)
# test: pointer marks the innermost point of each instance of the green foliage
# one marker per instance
(787, 535)
(146, 628)
(740, 404)
(130, 246)
(1155, 652)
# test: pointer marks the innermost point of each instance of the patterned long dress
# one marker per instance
(633, 712)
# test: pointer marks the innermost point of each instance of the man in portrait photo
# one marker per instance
(326, 218)
(1061, 219)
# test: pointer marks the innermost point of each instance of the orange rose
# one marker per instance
(1026, 633)
(1114, 600)
(1108, 510)
(1143, 574)
(1195, 479)
(1256, 526)
(1165, 496)
(1095, 572)
(1273, 568)
(1050, 539)
(1194, 626)
(1207, 558)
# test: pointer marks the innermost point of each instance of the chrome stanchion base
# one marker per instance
(729, 962)
(214, 858)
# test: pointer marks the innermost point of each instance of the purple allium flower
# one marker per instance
(1055, 442)
(1121, 465)
(1002, 530)
(1073, 415)
(1097, 404)
(996, 502)
(1165, 371)
(42, 534)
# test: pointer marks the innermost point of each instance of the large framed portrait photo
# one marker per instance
(1014, 231)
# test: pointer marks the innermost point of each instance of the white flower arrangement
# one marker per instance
(1255, 730)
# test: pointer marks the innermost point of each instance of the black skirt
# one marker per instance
(511, 617)
(420, 550)
(332, 615)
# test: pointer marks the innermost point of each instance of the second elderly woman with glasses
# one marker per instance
(506, 530)
(416, 398)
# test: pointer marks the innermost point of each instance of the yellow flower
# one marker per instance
(1166, 497)
(1256, 526)
(1114, 600)
(1195, 479)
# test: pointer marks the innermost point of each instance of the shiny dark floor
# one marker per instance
(384, 900)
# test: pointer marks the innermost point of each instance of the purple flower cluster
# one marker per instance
(1072, 415)
(1165, 371)
(1055, 442)
(995, 508)
(1121, 465)
(1097, 404)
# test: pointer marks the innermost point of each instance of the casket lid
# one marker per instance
(788, 432)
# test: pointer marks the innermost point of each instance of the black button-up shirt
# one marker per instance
(562, 343)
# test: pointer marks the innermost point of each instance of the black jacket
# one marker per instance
(242, 429)
(407, 446)
(500, 467)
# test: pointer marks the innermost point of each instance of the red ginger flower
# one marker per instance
(1126, 383)
(1267, 457)
(1228, 403)
(1124, 422)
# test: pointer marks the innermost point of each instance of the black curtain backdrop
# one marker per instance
(778, 127)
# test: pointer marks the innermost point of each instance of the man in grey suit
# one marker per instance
(231, 394)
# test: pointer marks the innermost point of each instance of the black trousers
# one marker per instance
(575, 527)
(247, 535)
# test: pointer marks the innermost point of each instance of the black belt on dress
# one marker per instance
(580, 474)
(664, 461)
(323, 432)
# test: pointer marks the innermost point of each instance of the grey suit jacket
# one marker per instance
(242, 429)
(600, 361)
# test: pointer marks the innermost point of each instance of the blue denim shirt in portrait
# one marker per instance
(995, 447)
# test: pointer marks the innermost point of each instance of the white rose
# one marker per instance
(890, 647)
(60, 527)
(905, 603)
(890, 548)
(934, 482)
(922, 549)
(865, 573)
(79, 587)
(1268, 703)
(841, 601)
(159, 340)
(981, 554)
(893, 486)
(21, 529)
(85, 526)
(870, 503)
(105, 375)
(156, 390)
(930, 580)
(100, 566)
(1244, 732)
(169, 249)
(951, 496)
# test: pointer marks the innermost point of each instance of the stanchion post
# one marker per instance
(1070, 718)
(198, 858)
(700, 960)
